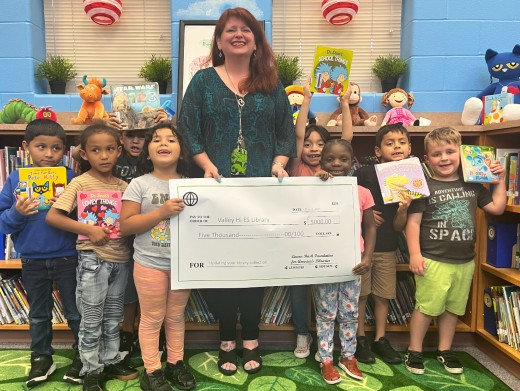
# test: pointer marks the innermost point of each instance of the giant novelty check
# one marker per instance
(251, 232)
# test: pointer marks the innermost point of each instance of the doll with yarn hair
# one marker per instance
(398, 99)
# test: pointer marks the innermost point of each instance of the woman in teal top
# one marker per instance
(238, 121)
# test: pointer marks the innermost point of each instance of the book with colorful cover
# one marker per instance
(331, 70)
(493, 107)
(475, 163)
(135, 104)
(100, 208)
(401, 176)
(42, 183)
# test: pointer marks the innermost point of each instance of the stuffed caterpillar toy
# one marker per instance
(505, 67)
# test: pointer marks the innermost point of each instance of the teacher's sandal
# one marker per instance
(251, 355)
(227, 357)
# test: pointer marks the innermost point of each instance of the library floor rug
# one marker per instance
(281, 372)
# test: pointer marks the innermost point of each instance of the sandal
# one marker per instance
(225, 358)
(252, 355)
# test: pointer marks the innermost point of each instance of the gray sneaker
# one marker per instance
(383, 349)
(450, 361)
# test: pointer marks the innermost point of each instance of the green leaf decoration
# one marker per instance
(306, 376)
(282, 359)
(436, 377)
(271, 383)
(368, 383)
(204, 386)
(206, 364)
(379, 368)
(118, 385)
(407, 388)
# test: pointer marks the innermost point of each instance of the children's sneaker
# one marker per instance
(329, 373)
(92, 382)
(303, 345)
(121, 371)
(363, 352)
(386, 351)
(41, 368)
(126, 339)
(349, 365)
(155, 381)
(72, 375)
(450, 361)
(317, 357)
(179, 375)
(413, 361)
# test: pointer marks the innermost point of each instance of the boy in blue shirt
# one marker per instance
(48, 254)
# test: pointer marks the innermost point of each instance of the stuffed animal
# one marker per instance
(91, 92)
(17, 109)
(359, 116)
(398, 98)
(295, 96)
(506, 69)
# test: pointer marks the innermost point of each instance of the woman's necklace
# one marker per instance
(239, 154)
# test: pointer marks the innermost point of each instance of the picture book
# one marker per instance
(475, 162)
(135, 104)
(331, 70)
(402, 176)
(42, 183)
(100, 208)
(493, 106)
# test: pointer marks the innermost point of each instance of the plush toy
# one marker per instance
(398, 98)
(359, 116)
(17, 109)
(91, 92)
(505, 67)
(45, 112)
(295, 96)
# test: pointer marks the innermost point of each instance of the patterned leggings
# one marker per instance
(337, 301)
(159, 304)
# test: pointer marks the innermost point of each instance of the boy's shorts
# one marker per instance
(381, 279)
(444, 287)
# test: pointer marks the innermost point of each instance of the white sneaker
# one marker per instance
(303, 344)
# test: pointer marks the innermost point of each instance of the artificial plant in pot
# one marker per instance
(57, 70)
(288, 69)
(388, 69)
(157, 69)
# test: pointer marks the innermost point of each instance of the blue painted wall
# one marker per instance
(444, 42)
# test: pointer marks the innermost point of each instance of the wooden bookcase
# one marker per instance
(498, 135)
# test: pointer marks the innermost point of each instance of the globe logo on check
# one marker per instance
(190, 198)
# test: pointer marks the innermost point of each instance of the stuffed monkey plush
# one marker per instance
(359, 116)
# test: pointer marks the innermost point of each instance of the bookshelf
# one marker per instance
(504, 136)
(498, 135)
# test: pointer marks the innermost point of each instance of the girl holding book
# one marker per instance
(146, 213)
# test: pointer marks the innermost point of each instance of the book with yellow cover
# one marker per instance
(42, 183)
(331, 70)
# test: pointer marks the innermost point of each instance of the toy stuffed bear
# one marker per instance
(504, 67)
(359, 116)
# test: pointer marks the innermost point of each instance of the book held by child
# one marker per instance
(331, 70)
(475, 163)
(100, 208)
(42, 183)
(402, 176)
(135, 104)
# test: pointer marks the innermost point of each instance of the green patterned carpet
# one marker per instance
(281, 372)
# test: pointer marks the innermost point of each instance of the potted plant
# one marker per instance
(288, 69)
(157, 69)
(388, 69)
(57, 70)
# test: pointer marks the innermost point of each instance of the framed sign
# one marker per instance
(195, 39)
